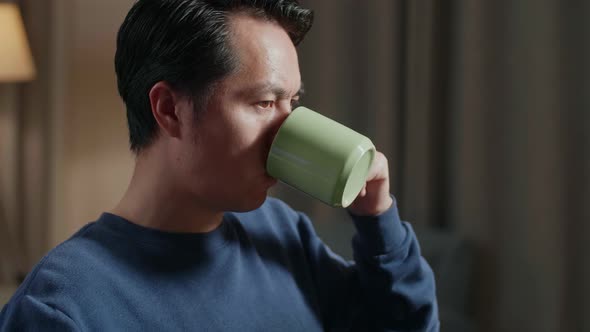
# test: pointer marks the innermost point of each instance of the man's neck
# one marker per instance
(152, 202)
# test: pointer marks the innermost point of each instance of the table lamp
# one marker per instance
(16, 63)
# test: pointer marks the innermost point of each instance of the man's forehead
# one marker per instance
(265, 56)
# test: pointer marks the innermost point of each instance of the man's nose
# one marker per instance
(282, 114)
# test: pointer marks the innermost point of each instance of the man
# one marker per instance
(195, 244)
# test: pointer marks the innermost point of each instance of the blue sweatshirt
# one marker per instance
(264, 270)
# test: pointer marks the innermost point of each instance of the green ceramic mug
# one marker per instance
(320, 157)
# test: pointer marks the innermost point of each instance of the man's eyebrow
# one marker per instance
(274, 89)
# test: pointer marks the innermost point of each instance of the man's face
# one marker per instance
(225, 159)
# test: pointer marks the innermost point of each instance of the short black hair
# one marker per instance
(186, 44)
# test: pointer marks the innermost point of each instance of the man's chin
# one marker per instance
(251, 202)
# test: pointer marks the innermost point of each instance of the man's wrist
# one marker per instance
(380, 234)
(373, 211)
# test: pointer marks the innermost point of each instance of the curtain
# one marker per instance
(26, 146)
(517, 158)
(482, 108)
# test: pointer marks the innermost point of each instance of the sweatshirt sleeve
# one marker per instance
(388, 287)
(29, 314)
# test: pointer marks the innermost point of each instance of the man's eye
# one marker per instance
(294, 103)
(265, 104)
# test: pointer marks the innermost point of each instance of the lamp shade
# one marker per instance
(16, 63)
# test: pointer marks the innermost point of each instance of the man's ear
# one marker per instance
(164, 102)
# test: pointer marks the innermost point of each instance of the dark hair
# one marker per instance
(185, 43)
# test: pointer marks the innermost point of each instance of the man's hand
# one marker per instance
(374, 198)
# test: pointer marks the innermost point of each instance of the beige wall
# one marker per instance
(8, 167)
(63, 137)
(92, 165)
(8, 148)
